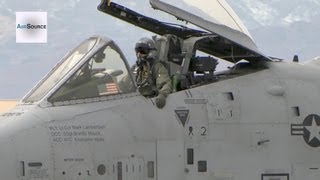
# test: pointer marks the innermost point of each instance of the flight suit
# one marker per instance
(158, 82)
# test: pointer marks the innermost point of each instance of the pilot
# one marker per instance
(152, 77)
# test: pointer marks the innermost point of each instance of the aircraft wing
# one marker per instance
(228, 44)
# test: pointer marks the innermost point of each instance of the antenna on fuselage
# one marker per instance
(295, 58)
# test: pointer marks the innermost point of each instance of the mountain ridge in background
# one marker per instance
(290, 26)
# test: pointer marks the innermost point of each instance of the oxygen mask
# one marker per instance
(142, 54)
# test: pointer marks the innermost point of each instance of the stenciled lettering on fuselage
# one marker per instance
(309, 129)
(66, 133)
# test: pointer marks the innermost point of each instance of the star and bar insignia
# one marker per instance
(309, 129)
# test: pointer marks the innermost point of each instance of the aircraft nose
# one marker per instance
(18, 133)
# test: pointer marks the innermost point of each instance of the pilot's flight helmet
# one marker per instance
(99, 57)
(146, 46)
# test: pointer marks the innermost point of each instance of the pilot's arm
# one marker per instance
(163, 83)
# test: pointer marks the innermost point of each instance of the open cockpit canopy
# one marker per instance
(231, 42)
(97, 68)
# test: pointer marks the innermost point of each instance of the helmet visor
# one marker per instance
(142, 48)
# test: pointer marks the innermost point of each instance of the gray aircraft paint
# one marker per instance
(251, 123)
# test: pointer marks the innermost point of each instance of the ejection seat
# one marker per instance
(170, 54)
(200, 70)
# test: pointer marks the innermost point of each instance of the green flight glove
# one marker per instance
(160, 101)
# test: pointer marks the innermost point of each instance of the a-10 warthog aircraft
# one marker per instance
(258, 120)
